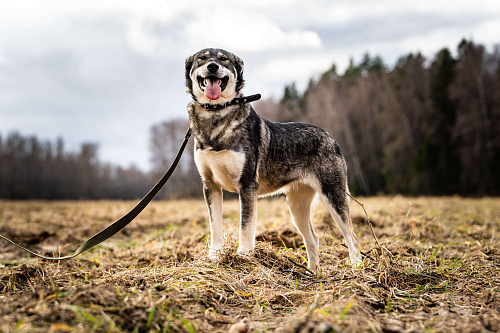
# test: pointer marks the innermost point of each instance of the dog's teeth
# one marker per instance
(219, 82)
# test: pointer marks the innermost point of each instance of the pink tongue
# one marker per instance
(212, 90)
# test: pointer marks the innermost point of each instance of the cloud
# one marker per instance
(298, 68)
(215, 27)
(246, 33)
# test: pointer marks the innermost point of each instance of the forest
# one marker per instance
(420, 127)
(35, 169)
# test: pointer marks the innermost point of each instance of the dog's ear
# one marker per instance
(188, 65)
(239, 67)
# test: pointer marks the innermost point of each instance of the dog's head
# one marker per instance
(214, 76)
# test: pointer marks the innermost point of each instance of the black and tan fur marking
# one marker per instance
(237, 150)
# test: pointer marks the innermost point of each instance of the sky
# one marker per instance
(106, 71)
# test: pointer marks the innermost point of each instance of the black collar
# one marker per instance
(239, 100)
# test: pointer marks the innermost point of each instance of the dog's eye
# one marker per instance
(223, 58)
(202, 58)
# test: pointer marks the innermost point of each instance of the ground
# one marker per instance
(437, 270)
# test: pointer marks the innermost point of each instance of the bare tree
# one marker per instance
(165, 141)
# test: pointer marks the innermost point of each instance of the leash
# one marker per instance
(121, 223)
(130, 216)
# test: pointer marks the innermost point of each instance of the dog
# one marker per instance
(238, 151)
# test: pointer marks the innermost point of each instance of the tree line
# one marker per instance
(422, 127)
(35, 169)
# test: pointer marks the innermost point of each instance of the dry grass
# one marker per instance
(439, 270)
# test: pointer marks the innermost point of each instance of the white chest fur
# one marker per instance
(223, 167)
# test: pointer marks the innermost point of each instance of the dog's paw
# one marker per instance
(357, 263)
(316, 270)
(215, 254)
(245, 254)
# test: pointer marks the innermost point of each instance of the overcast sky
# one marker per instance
(106, 71)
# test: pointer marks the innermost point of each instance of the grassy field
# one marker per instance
(437, 270)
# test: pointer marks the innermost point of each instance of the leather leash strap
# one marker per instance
(239, 100)
(121, 223)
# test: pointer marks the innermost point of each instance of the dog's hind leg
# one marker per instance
(213, 198)
(299, 198)
(336, 200)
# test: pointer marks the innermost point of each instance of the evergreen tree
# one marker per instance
(440, 160)
(291, 104)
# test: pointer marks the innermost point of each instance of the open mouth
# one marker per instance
(212, 86)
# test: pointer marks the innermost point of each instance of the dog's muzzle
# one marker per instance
(212, 86)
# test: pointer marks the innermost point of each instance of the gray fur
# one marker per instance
(239, 151)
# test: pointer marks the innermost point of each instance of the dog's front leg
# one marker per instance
(213, 198)
(248, 217)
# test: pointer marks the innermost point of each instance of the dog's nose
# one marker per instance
(212, 67)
